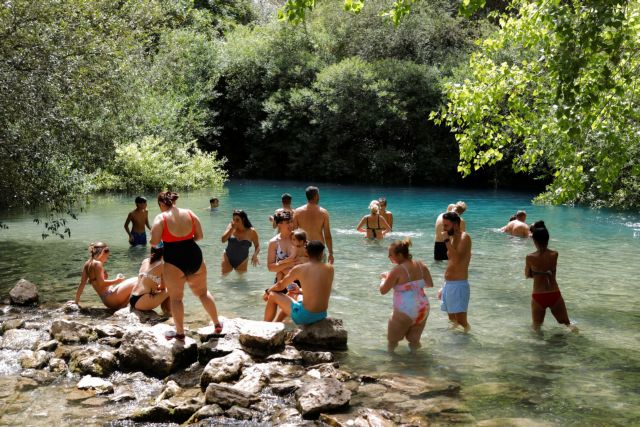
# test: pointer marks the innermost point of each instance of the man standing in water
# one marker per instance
(439, 248)
(286, 207)
(456, 291)
(314, 220)
(518, 227)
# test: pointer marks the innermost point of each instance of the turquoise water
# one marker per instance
(506, 370)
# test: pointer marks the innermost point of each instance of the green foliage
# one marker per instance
(152, 164)
(558, 86)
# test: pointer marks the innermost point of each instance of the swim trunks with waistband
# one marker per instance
(455, 296)
(301, 316)
(138, 238)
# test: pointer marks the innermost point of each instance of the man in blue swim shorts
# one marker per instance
(456, 291)
(139, 219)
(316, 278)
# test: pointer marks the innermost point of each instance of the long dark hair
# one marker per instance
(243, 216)
(156, 254)
(540, 234)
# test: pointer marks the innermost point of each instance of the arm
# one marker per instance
(198, 235)
(456, 253)
(293, 274)
(228, 232)
(256, 244)
(385, 225)
(360, 224)
(156, 230)
(294, 219)
(126, 226)
(390, 220)
(146, 220)
(326, 229)
(426, 274)
(83, 282)
(388, 281)
(527, 268)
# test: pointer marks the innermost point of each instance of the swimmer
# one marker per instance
(385, 213)
(179, 229)
(541, 267)
(410, 303)
(455, 292)
(139, 218)
(239, 236)
(214, 203)
(518, 227)
(316, 277)
(374, 224)
(150, 291)
(113, 293)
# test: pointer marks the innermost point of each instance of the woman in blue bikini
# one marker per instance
(239, 236)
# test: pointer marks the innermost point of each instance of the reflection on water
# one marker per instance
(506, 370)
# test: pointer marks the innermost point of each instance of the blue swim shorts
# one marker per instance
(139, 238)
(455, 296)
(301, 316)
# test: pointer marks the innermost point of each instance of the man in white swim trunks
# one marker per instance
(456, 291)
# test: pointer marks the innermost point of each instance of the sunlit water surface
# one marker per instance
(505, 369)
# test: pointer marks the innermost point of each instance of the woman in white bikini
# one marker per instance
(150, 290)
(113, 293)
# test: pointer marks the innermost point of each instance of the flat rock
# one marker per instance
(289, 355)
(23, 339)
(207, 411)
(150, 352)
(93, 361)
(189, 377)
(225, 368)
(419, 387)
(321, 395)
(76, 395)
(328, 370)
(218, 347)
(260, 338)
(513, 422)
(227, 396)
(93, 383)
(108, 330)
(24, 293)
(327, 334)
(71, 332)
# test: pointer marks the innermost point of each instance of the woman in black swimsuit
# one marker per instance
(374, 224)
(239, 236)
(179, 229)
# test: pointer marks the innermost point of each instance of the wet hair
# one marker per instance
(96, 248)
(461, 207)
(286, 197)
(299, 234)
(167, 198)
(540, 234)
(512, 218)
(311, 192)
(537, 224)
(243, 216)
(315, 248)
(281, 216)
(521, 214)
(401, 247)
(213, 199)
(156, 253)
(140, 200)
(452, 216)
(374, 207)
(382, 201)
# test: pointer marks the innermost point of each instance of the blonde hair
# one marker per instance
(460, 207)
(451, 207)
(96, 248)
(374, 207)
(401, 247)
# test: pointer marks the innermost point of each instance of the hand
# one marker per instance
(444, 236)
(265, 297)
(384, 275)
(440, 294)
(331, 259)
(254, 260)
(130, 238)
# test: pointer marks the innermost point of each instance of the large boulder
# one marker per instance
(148, 350)
(227, 396)
(225, 368)
(321, 395)
(70, 332)
(262, 338)
(93, 361)
(24, 293)
(327, 334)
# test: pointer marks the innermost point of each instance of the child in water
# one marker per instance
(410, 303)
(140, 219)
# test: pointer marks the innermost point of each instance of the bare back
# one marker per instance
(517, 228)
(541, 267)
(459, 255)
(439, 229)
(317, 281)
(312, 219)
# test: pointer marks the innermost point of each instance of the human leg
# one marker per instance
(414, 333)
(282, 301)
(397, 327)
(174, 279)
(244, 265)
(149, 302)
(461, 319)
(537, 314)
(119, 294)
(559, 311)
(225, 266)
(198, 285)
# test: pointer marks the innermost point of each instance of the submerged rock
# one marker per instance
(147, 350)
(513, 422)
(327, 334)
(70, 332)
(24, 293)
(321, 395)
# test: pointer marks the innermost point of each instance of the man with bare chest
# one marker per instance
(456, 291)
(314, 220)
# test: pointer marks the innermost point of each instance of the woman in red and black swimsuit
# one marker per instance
(541, 267)
(179, 229)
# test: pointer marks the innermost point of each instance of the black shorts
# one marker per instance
(440, 251)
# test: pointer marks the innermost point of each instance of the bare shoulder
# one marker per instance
(274, 239)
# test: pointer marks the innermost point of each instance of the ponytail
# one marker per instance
(401, 247)
(167, 198)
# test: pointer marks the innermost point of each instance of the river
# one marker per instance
(506, 370)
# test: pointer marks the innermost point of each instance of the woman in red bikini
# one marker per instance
(541, 267)
(179, 229)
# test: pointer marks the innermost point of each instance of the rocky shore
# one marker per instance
(103, 368)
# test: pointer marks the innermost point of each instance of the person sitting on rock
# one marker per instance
(150, 290)
(316, 278)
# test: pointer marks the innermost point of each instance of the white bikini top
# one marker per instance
(155, 279)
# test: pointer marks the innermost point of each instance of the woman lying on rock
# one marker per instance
(150, 290)
(113, 293)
